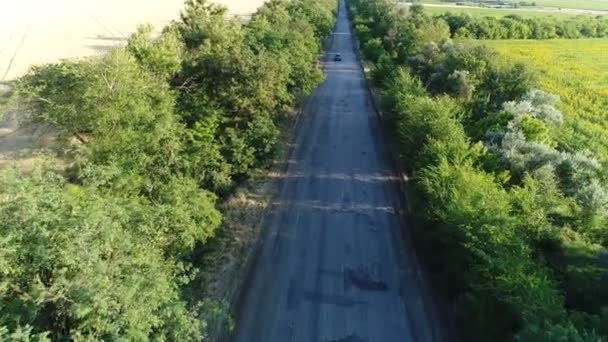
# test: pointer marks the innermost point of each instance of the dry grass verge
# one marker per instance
(229, 256)
(227, 259)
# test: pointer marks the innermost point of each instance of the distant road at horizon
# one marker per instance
(38, 31)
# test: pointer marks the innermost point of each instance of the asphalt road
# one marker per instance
(333, 267)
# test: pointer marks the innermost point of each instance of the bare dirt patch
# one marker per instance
(23, 145)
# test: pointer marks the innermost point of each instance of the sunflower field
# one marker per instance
(577, 71)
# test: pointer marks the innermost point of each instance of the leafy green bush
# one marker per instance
(76, 264)
(121, 115)
(162, 56)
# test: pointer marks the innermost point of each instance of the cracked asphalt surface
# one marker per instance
(333, 266)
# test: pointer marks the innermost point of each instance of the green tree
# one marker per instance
(202, 158)
(120, 115)
(76, 268)
(548, 332)
(276, 29)
(161, 56)
(372, 49)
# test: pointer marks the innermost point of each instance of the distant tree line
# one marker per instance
(513, 26)
(153, 134)
(512, 226)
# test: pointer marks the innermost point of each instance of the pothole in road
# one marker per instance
(333, 299)
(363, 280)
(350, 338)
(368, 220)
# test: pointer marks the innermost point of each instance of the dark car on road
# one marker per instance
(337, 57)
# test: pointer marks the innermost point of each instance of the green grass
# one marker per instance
(577, 71)
(596, 5)
(599, 5)
(492, 12)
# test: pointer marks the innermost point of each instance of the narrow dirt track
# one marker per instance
(333, 266)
